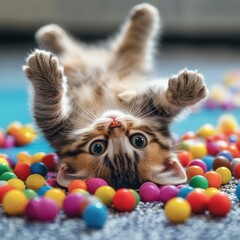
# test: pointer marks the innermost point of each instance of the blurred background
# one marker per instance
(203, 35)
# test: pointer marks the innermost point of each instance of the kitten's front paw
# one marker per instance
(52, 37)
(43, 67)
(144, 13)
(186, 89)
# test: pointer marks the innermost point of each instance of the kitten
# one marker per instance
(100, 111)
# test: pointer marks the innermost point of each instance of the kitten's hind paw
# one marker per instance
(42, 68)
(186, 89)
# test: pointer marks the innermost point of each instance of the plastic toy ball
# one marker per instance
(226, 154)
(94, 183)
(214, 179)
(221, 161)
(4, 190)
(24, 157)
(211, 191)
(35, 181)
(7, 175)
(183, 192)
(17, 183)
(200, 163)
(30, 194)
(184, 158)
(199, 182)
(124, 200)
(193, 171)
(77, 183)
(237, 191)
(219, 205)
(14, 203)
(149, 192)
(51, 161)
(22, 170)
(3, 168)
(37, 157)
(57, 195)
(95, 215)
(105, 194)
(48, 210)
(198, 201)
(168, 192)
(209, 161)
(206, 130)
(39, 168)
(137, 197)
(198, 150)
(177, 210)
(225, 173)
(42, 190)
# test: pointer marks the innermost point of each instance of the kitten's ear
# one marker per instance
(171, 172)
(127, 96)
(66, 175)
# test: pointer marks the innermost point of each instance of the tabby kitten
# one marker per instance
(100, 111)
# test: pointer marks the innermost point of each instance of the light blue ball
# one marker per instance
(183, 192)
(209, 161)
(237, 192)
(95, 215)
(41, 191)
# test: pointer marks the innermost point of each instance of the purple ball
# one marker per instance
(149, 193)
(94, 183)
(9, 142)
(71, 204)
(47, 210)
(148, 184)
(32, 209)
(199, 163)
(168, 192)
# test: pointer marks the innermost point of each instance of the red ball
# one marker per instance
(51, 161)
(184, 157)
(198, 201)
(4, 190)
(22, 171)
(237, 171)
(124, 200)
(219, 205)
(188, 135)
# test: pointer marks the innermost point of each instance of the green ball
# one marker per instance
(136, 195)
(199, 181)
(29, 193)
(7, 175)
(3, 168)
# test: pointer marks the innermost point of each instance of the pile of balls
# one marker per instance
(17, 135)
(211, 157)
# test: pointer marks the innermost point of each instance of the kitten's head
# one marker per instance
(124, 149)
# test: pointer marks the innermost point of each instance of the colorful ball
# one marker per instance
(42, 190)
(124, 200)
(57, 195)
(200, 163)
(24, 157)
(94, 183)
(4, 190)
(225, 173)
(219, 205)
(199, 182)
(212, 148)
(7, 176)
(37, 157)
(14, 202)
(17, 183)
(48, 210)
(211, 191)
(209, 161)
(50, 160)
(22, 170)
(77, 183)
(184, 157)
(183, 192)
(4, 168)
(35, 181)
(193, 171)
(149, 192)
(137, 197)
(226, 154)
(237, 191)
(177, 210)
(30, 194)
(39, 168)
(198, 150)
(198, 201)
(221, 161)
(168, 192)
(206, 130)
(95, 215)
(214, 179)
(105, 194)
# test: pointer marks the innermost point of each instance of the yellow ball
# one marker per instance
(105, 194)
(14, 202)
(37, 157)
(198, 150)
(17, 183)
(3, 160)
(227, 124)
(177, 210)
(79, 190)
(206, 130)
(225, 173)
(211, 191)
(57, 195)
(35, 181)
(24, 157)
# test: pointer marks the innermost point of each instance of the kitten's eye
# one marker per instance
(98, 147)
(138, 140)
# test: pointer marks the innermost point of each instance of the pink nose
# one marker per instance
(115, 123)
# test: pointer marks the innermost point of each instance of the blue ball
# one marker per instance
(183, 192)
(237, 191)
(209, 161)
(226, 154)
(39, 168)
(95, 215)
(41, 191)
(233, 138)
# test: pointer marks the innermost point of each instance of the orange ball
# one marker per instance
(188, 135)
(233, 149)
(77, 183)
(184, 157)
(14, 128)
(24, 157)
(193, 171)
(214, 179)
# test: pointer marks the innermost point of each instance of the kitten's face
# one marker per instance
(122, 149)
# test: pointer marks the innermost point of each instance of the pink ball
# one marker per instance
(149, 192)
(9, 142)
(200, 163)
(52, 182)
(147, 184)
(94, 183)
(212, 148)
(71, 204)
(47, 210)
(32, 209)
(168, 192)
